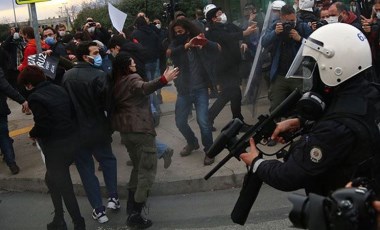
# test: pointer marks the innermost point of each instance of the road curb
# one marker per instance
(160, 188)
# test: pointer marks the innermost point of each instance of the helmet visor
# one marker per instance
(302, 68)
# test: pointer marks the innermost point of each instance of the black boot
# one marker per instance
(130, 202)
(79, 224)
(58, 223)
(136, 220)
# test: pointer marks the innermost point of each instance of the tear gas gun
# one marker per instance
(261, 131)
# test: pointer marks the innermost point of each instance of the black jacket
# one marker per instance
(52, 112)
(204, 57)
(88, 88)
(6, 90)
(326, 157)
(149, 39)
(227, 36)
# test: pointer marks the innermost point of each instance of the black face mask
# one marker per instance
(181, 39)
(313, 103)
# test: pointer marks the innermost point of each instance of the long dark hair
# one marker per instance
(186, 24)
(120, 66)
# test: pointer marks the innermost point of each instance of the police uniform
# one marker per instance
(329, 154)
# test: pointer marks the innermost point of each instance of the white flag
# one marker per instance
(117, 17)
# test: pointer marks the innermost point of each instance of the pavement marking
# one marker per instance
(21, 131)
(168, 96)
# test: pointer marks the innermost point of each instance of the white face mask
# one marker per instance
(223, 18)
(332, 19)
(16, 36)
(158, 26)
(378, 15)
(91, 29)
(62, 33)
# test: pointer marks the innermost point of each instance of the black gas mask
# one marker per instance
(313, 102)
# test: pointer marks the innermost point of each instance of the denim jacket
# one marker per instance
(272, 39)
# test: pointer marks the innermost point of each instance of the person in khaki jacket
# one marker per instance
(132, 117)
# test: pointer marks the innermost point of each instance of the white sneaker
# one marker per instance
(113, 203)
(99, 216)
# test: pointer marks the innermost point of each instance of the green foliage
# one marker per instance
(98, 12)
(152, 8)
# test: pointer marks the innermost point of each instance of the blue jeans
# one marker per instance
(161, 148)
(152, 71)
(183, 108)
(6, 143)
(86, 168)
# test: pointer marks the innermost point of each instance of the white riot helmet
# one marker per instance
(306, 5)
(278, 4)
(340, 50)
(208, 8)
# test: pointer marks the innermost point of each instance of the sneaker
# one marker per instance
(113, 203)
(208, 160)
(14, 169)
(57, 224)
(136, 220)
(167, 157)
(186, 151)
(100, 216)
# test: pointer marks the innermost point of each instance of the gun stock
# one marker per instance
(263, 129)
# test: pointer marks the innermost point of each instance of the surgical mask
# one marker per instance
(62, 33)
(50, 41)
(223, 18)
(158, 26)
(91, 29)
(16, 36)
(332, 19)
(97, 60)
(378, 15)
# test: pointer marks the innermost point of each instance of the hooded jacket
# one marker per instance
(149, 39)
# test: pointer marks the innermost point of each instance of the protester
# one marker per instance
(6, 90)
(226, 65)
(87, 87)
(192, 52)
(132, 117)
(55, 130)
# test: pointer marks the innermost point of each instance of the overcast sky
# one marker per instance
(44, 9)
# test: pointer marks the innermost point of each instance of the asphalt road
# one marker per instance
(207, 210)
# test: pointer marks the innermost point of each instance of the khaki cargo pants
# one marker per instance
(142, 151)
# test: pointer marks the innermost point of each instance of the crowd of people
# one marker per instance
(107, 82)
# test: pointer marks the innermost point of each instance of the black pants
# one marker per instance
(58, 159)
(230, 91)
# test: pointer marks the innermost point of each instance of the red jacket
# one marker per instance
(30, 49)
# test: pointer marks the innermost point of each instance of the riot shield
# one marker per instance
(256, 91)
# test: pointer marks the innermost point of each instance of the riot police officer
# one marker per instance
(341, 143)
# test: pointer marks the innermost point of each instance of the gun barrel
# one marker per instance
(218, 166)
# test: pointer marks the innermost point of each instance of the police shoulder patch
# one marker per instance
(316, 154)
